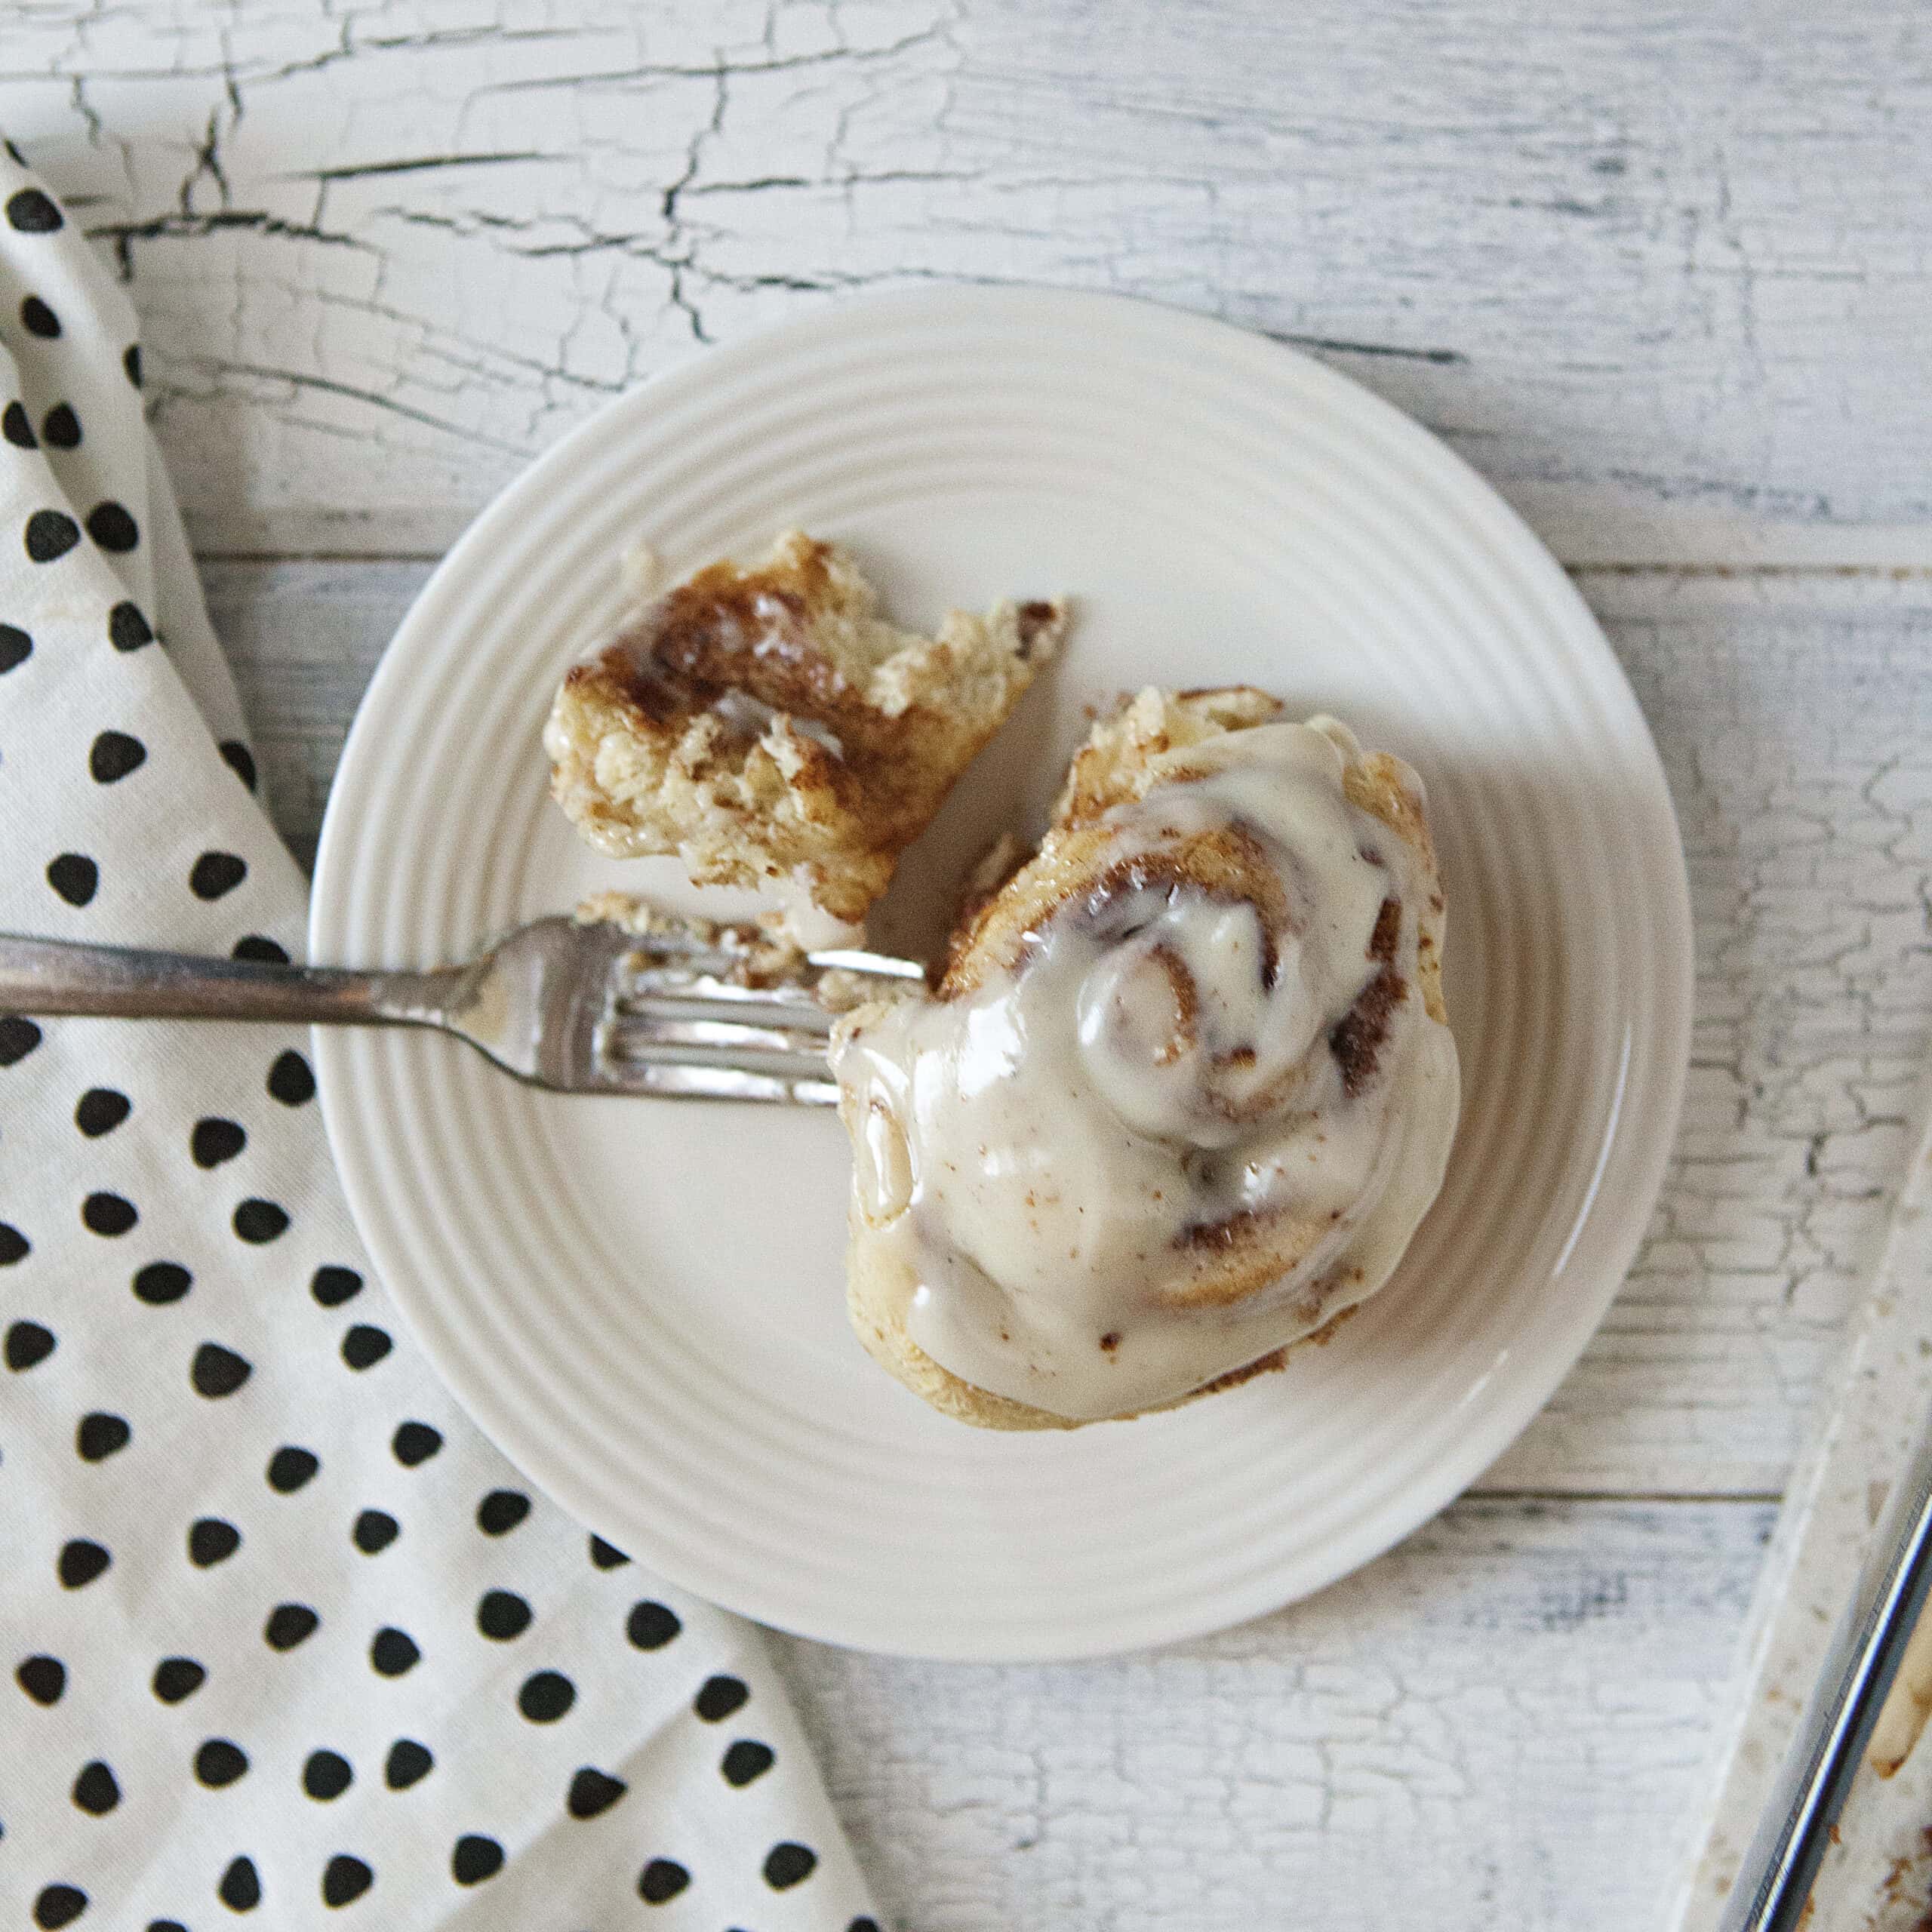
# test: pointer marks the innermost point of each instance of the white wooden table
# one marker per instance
(1661, 273)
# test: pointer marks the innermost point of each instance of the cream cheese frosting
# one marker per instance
(1199, 1114)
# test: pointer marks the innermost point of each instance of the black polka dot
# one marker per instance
(592, 1792)
(501, 1511)
(662, 1879)
(60, 428)
(108, 1214)
(415, 1442)
(375, 1530)
(719, 1697)
(28, 1342)
(16, 647)
(289, 1467)
(606, 1555)
(863, 1923)
(113, 755)
(326, 1775)
(333, 1286)
(787, 1864)
(502, 1614)
(409, 1763)
(160, 1282)
(19, 1036)
(240, 1887)
(131, 361)
(34, 213)
(111, 527)
(101, 1110)
(37, 318)
(291, 1082)
(214, 873)
(128, 628)
(58, 1904)
(288, 1624)
(176, 1677)
(218, 1371)
(95, 1791)
(241, 760)
(81, 1562)
(258, 1221)
(50, 533)
(219, 1761)
(345, 1879)
(42, 1677)
(211, 1541)
(545, 1696)
(166, 1925)
(16, 427)
(475, 1859)
(215, 1141)
(99, 1435)
(364, 1346)
(393, 1651)
(14, 1246)
(74, 876)
(651, 1626)
(746, 1759)
(263, 951)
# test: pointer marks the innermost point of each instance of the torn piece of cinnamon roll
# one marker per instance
(770, 727)
(1185, 1089)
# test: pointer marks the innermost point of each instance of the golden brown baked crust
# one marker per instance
(767, 725)
(1111, 767)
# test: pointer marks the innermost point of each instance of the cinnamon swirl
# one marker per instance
(1185, 1088)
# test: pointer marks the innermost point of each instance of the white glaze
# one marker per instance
(1037, 1151)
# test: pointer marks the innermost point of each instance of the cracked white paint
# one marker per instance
(1502, 1725)
(1661, 273)
(1791, 714)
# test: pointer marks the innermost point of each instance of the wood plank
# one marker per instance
(1501, 1727)
(1792, 716)
(303, 640)
(1660, 273)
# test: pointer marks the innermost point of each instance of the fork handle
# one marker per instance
(48, 976)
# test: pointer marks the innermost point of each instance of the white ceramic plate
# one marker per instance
(642, 1301)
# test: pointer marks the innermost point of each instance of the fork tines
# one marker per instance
(699, 1010)
(679, 1024)
(725, 1014)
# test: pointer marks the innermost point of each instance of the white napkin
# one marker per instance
(285, 1632)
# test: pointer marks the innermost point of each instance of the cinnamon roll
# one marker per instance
(1183, 1090)
(770, 728)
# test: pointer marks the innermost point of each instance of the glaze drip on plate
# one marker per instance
(1190, 1114)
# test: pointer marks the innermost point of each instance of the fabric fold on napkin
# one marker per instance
(285, 1634)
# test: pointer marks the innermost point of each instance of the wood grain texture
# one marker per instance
(1502, 1725)
(1791, 716)
(1662, 273)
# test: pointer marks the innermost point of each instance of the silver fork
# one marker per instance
(686, 1010)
